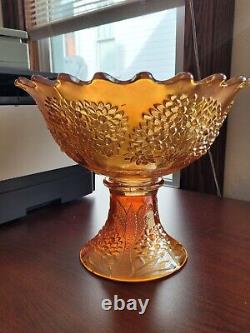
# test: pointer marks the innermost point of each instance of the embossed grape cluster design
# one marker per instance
(176, 131)
(108, 242)
(179, 129)
(86, 125)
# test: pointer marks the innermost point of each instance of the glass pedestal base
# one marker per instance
(133, 246)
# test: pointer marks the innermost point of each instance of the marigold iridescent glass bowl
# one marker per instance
(133, 132)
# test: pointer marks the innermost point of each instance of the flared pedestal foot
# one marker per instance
(135, 267)
(133, 246)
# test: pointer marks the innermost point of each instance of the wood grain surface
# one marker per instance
(44, 288)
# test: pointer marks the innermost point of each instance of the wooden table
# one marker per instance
(44, 289)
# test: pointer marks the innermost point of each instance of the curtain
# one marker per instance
(214, 22)
(13, 14)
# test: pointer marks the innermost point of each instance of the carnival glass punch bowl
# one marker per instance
(133, 132)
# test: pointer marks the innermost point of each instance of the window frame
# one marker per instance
(112, 15)
(109, 14)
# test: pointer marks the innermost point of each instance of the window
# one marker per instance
(172, 180)
(121, 49)
(147, 37)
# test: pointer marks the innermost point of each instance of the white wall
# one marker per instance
(237, 170)
(26, 147)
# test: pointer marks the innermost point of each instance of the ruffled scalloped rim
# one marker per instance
(218, 78)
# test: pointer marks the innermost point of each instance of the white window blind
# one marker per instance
(45, 18)
(43, 12)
